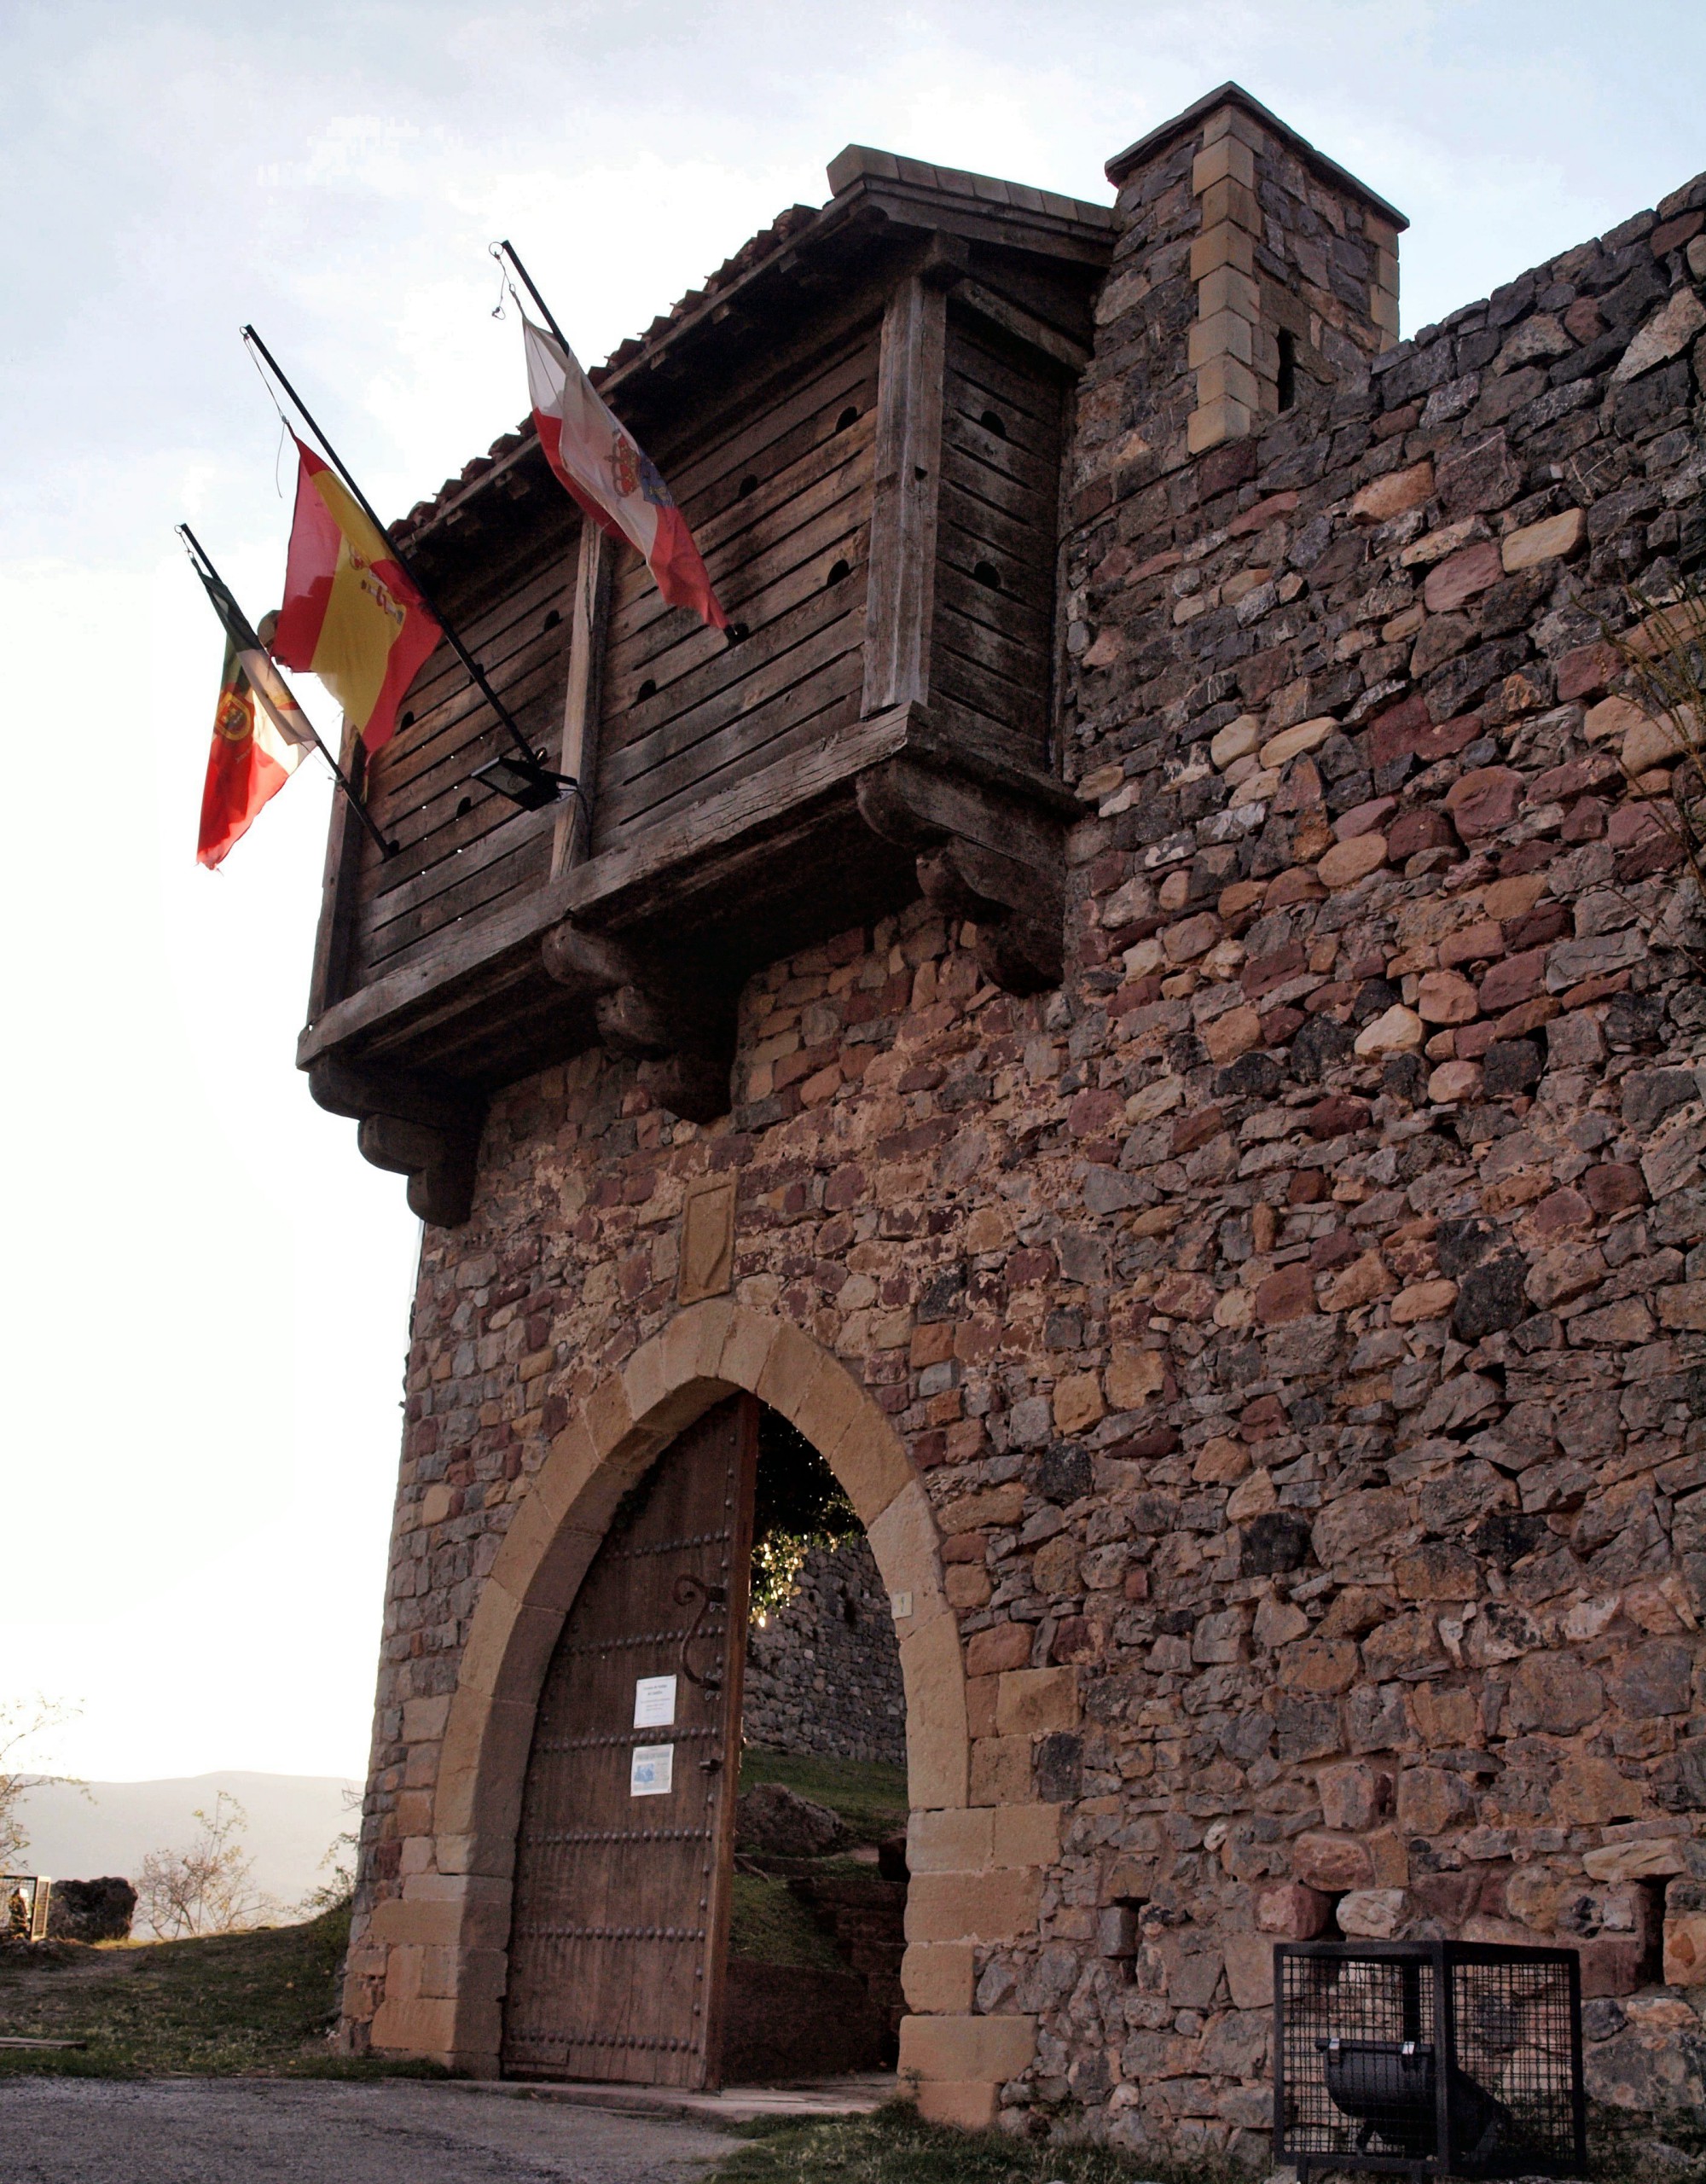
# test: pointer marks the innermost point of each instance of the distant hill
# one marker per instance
(293, 1820)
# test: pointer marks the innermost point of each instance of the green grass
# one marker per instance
(228, 2006)
(893, 2146)
(870, 1796)
(770, 1923)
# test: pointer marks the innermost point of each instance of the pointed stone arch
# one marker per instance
(441, 1947)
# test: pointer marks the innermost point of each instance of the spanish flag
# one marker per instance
(350, 615)
(260, 736)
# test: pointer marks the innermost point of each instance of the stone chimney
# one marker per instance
(1254, 269)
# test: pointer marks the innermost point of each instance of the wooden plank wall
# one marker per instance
(779, 498)
(467, 852)
(996, 535)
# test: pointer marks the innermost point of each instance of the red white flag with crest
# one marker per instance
(619, 488)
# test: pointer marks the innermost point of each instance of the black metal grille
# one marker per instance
(1434, 2057)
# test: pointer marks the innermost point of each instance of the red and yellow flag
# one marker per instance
(350, 615)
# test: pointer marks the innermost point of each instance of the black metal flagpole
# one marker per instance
(535, 765)
(509, 251)
(207, 569)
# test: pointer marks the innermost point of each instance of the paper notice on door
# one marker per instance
(652, 1770)
(654, 1702)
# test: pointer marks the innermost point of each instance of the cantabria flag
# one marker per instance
(618, 487)
(350, 615)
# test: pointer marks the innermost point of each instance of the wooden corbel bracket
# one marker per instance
(411, 1127)
(679, 1027)
(984, 855)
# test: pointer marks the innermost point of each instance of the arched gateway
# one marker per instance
(448, 1941)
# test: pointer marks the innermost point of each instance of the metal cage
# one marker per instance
(1436, 2056)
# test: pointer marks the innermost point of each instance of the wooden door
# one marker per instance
(625, 1853)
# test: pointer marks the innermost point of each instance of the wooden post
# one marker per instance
(581, 704)
(329, 980)
(902, 586)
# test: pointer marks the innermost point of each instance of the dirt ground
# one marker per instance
(279, 2131)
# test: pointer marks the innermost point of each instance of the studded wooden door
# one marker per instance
(625, 1853)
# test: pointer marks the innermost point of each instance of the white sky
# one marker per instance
(206, 1288)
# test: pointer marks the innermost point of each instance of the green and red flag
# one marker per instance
(351, 615)
(260, 733)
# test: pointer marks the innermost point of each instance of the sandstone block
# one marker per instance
(1636, 1860)
(1383, 498)
(1077, 1402)
(1235, 1033)
(986, 1907)
(995, 1508)
(1333, 1864)
(1292, 1912)
(1455, 1082)
(1349, 860)
(1031, 1702)
(1215, 422)
(1292, 742)
(1026, 1835)
(950, 1841)
(1001, 1770)
(1237, 739)
(1423, 1300)
(1398, 1030)
(962, 2049)
(1376, 1914)
(1249, 1970)
(1484, 801)
(1354, 1797)
(1550, 540)
(938, 1977)
(1003, 1646)
(1446, 997)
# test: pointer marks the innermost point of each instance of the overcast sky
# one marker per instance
(206, 1288)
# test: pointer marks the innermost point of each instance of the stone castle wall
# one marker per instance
(823, 1672)
(1298, 1320)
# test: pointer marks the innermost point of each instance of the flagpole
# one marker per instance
(386, 848)
(535, 764)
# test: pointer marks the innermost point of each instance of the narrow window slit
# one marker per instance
(1288, 368)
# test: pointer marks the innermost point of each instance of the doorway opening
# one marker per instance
(819, 1894)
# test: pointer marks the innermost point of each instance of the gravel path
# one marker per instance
(297, 2131)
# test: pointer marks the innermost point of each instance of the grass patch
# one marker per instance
(893, 2146)
(231, 2005)
(769, 1922)
(870, 1796)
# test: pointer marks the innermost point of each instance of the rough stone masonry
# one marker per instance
(1297, 1321)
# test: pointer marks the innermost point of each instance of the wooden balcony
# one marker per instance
(863, 420)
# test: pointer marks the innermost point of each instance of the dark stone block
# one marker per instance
(1510, 1065)
(1058, 1767)
(1649, 1097)
(1274, 1542)
(1064, 1473)
(1491, 1297)
(1317, 1048)
(1251, 1077)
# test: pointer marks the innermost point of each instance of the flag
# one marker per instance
(350, 615)
(618, 487)
(260, 733)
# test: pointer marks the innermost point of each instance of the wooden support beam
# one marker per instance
(411, 1127)
(901, 588)
(675, 1018)
(1023, 326)
(582, 702)
(981, 854)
